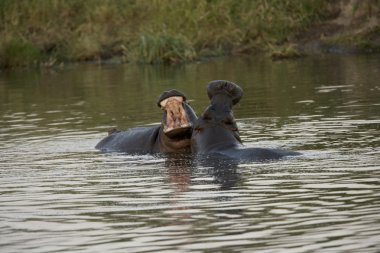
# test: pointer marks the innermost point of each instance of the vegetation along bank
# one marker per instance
(37, 32)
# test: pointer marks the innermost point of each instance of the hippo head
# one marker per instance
(224, 92)
(216, 128)
(177, 122)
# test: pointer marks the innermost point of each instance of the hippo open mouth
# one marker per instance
(176, 122)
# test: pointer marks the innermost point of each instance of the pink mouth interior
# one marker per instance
(176, 119)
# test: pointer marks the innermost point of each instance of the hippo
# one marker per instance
(215, 131)
(172, 135)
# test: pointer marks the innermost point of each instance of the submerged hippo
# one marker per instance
(215, 131)
(172, 135)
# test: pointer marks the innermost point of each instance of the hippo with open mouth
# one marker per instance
(172, 135)
(215, 132)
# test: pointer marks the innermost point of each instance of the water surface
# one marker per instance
(57, 193)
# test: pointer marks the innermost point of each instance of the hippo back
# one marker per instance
(140, 140)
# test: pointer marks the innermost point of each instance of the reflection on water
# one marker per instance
(59, 194)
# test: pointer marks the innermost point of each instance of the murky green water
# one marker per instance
(58, 194)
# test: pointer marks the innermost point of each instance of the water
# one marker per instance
(59, 194)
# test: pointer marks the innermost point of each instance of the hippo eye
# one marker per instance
(228, 122)
(206, 116)
(197, 129)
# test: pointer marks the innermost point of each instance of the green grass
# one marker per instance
(163, 48)
(149, 31)
(17, 52)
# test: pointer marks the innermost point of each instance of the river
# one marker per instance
(59, 194)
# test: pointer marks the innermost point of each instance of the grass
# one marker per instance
(284, 52)
(148, 31)
(365, 39)
(163, 48)
(15, 52)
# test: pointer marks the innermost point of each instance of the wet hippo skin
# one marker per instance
(172, 135)
(215, 132)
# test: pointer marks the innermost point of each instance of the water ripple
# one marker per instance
(59, 194)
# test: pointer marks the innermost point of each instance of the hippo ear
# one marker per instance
(225, 87)
(168, 94)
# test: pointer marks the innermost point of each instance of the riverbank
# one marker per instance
(354, 27)
(54, 32)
